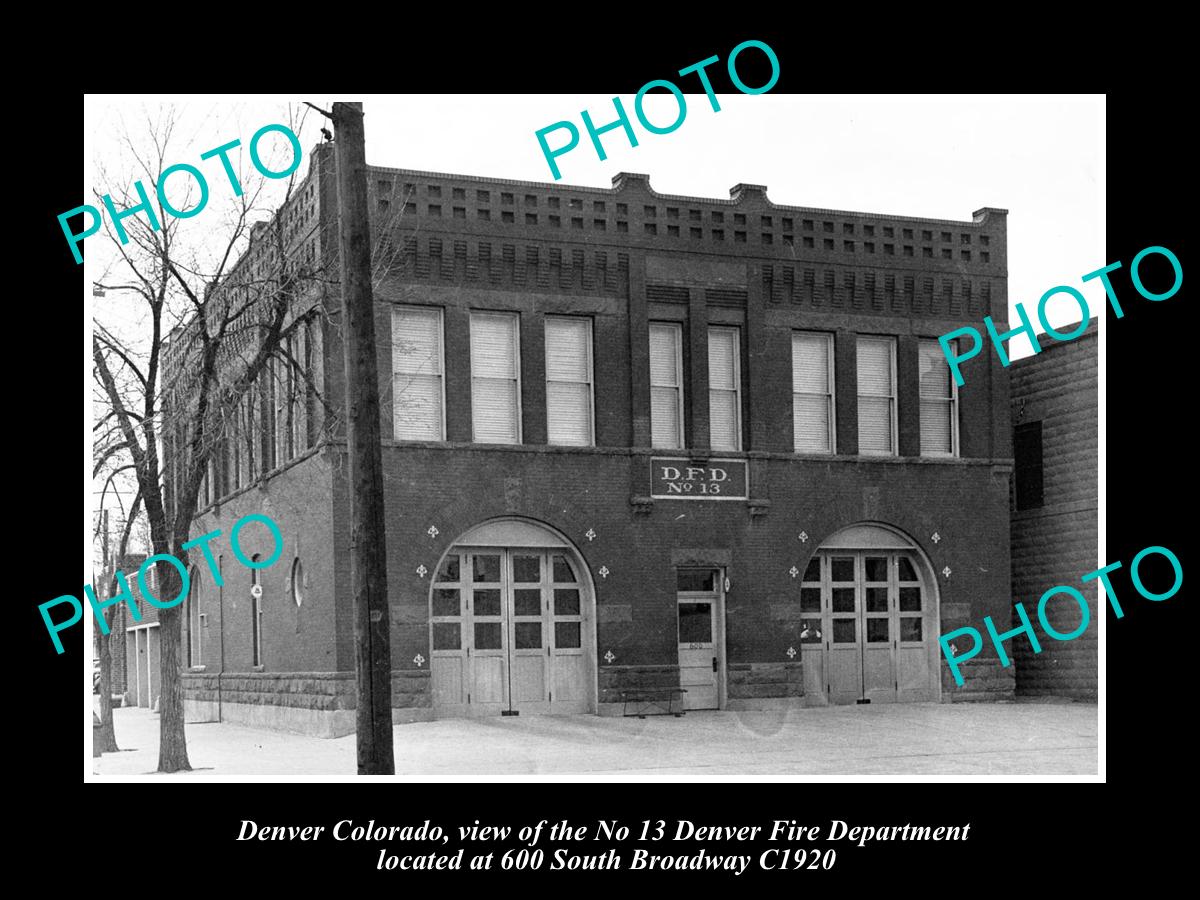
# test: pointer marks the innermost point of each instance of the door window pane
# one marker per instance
(843, 599)
(446, 602)
(695, 623)
(910, 628)
(449, 569)
(876, 568)
(487, 603)
(487, 636)
(527, 602)
(843, 568)
(695, 580)
(810, 599)
(566, 602)
(910, 599)
(562, 569)
(877, 631)
(810, 631)
(844, 631)
(907, 572)
(566, 635)
(487, 568)
(527, 635)
(812, 572)
(447, 636)
(527, 569)
(877, 600)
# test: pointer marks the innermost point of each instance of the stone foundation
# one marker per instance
(749, 684)
(316, 703)
(615, 679)
(983, 679)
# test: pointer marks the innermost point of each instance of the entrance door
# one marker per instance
(701, 637)
(507, 633)
(864, 635)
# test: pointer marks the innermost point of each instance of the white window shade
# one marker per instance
(495, 379)
(810, 363)
(876, 396)
(569, 380)
(724, 413)
(417, 381)
(666, 385)
(812, 392)
(939, 402)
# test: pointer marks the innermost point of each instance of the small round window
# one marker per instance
(297, 582)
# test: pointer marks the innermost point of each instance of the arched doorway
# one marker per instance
(512, 624)
(869, 608)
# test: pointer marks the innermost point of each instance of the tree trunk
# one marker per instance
(172, 744)
(368, 556)
(105, 737)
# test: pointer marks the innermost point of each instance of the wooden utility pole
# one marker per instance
(368, 553)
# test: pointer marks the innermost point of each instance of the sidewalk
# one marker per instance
(909, 739)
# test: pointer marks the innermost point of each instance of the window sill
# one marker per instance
(691, 453)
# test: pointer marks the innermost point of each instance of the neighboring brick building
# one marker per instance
(1055, 516)
(631, 440)
(136, 651)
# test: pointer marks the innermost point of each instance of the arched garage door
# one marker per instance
(869, 608)
(512, 627)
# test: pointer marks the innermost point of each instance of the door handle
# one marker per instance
(714, 664)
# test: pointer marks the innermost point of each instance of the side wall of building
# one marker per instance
(1055, 543)
(296, 685)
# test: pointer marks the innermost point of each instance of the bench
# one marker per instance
(662, 698)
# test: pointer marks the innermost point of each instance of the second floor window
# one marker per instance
(939, 402)
(285, 399)
(812, 392)
(496, 378)
(569, 380)
(666, 385)
(724, 389)
(417, 374)
(877, 396)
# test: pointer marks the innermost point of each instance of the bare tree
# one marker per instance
(112, 561)
(214, 313)
(215, 340)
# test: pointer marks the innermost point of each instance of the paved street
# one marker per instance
(912, 739)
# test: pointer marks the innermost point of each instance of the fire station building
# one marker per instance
(635, 444)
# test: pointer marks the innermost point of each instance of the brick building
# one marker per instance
(631, 440)
(1055, 515)
(135, 644)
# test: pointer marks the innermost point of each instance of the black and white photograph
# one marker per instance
(691, 434)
